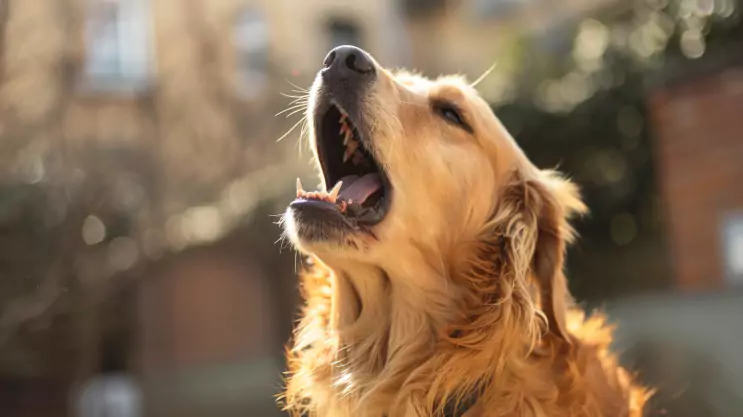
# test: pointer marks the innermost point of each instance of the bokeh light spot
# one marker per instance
(93, 230)
(623, 228)
(122, 253)
(692, 43)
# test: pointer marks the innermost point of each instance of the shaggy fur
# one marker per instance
(463, 292)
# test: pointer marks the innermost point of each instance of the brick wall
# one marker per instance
(699, 129)
(211, 306)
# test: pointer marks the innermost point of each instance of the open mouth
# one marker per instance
(357, 185)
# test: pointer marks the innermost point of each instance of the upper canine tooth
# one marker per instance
(352, 146)
(333, 194)
(348, 138)
(348, 154)
(350, 149)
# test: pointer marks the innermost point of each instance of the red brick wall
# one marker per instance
(699, 129)
(209, 306)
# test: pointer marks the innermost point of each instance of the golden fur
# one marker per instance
(463, 292)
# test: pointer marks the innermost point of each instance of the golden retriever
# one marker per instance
(435, 283)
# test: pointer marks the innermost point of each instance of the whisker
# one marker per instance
(296, 110)
(291, 129)
(290, 108)
(293, 96)
(303, 101)
(296, 86)
(484, 75)
(303, 136)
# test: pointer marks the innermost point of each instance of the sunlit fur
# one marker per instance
(462, 291)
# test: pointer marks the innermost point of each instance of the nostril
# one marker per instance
(329, 59)
(359, 63)
(348, 61)
(351, 62)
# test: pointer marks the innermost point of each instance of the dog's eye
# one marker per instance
(452, 115)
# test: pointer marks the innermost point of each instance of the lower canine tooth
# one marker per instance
(300, 189)
(333, 194)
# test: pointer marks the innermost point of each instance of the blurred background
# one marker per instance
(140, 176)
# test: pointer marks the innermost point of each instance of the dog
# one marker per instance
(434, 282)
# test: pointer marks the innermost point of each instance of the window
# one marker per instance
(422, 7)
(251, 38)
(732, 233)
(344, 33)
(118, 47)
(495, 8)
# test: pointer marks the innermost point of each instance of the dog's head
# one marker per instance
(414, 168)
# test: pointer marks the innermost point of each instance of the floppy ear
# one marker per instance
(539, 235)
(553, 200)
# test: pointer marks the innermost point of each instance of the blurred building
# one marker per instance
(139, 167)
(697, 119)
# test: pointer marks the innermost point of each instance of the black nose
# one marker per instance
(349, 61)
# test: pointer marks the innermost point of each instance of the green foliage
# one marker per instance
(580, 106)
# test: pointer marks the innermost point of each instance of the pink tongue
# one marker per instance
(359, 189)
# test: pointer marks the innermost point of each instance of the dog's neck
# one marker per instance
(382, 312)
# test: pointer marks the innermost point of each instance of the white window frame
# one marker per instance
(732, 248)
(119, 50)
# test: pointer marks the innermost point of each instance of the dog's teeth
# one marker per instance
(333, 193)
(300, 189)
(349, 152)
(348, 138)
(350, 149)
(346, 155)
(343, 117)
